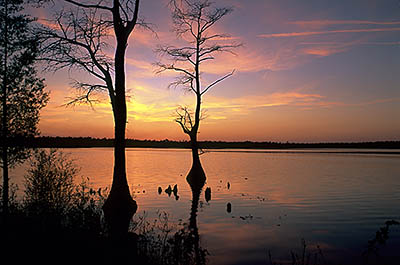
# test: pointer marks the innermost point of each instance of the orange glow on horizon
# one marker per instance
(311, 80)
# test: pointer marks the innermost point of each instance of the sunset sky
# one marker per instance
(308, 71)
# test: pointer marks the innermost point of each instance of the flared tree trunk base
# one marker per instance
(119, 209)
(196, 177)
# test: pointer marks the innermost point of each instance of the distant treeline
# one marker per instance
(76, 142)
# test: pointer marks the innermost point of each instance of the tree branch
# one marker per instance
(132, 23)
(77, 42)
(184, 119)
(98, 6)
(217, 81)
(164, 67)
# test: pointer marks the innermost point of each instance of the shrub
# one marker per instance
(49, 184)
(52, 196)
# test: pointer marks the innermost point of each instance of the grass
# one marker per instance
(306, 257)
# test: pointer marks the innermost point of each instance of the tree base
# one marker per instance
(119, 209)
(196, 177)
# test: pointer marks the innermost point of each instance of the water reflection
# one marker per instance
(196, 179)
(316, 195)
(183, 247)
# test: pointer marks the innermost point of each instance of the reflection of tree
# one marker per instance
(187, 240)
(193, 229)
(379, 241)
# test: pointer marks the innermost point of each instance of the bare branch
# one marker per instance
(77, 42)
(207, 58)
(184, 119)
(130, 25)
(165, 67)
(177, 54)
(85, 91)
(80, 86)
(218, 48)
(213, 17)
(98, 6)
(192, 19)
(217, 81)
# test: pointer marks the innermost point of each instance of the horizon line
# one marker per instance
(230, 141)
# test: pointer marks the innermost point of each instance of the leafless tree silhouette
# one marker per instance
(78, 40)
(193, 21)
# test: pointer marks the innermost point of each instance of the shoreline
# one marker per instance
(88, 142)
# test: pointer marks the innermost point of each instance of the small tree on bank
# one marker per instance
(77, 40)
(193, 20)
(22, 91)
(49, 183)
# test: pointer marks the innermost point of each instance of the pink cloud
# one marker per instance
(324, 23)
(243, 104)
(326, 49)
(311, 33)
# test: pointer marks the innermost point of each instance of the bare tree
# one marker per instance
(78, 40)
(193, 20)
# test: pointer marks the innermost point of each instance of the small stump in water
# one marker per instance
(207, 194)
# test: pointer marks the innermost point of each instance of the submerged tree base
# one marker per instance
(119, 209)
(196, 176)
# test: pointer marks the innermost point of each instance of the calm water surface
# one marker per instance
(335, 201)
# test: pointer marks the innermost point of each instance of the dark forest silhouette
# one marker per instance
(76, 142)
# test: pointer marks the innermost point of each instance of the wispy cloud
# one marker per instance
(325, 49)
(311, 33)
(324, 23)
(329, 47)
(261, 101)
(327, 43)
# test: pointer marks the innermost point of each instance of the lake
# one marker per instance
(336, 201)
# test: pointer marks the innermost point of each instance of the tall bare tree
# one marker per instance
(78, 40)
(193, 21)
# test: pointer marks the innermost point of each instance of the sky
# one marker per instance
(308, 71)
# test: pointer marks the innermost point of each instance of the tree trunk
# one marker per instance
(195, 150)
(4, 125)
(119, 206)
(196, 176)
(5, 150)
(197, 171)
(5, 168)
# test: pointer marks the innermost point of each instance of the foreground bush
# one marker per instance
(52, 196)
